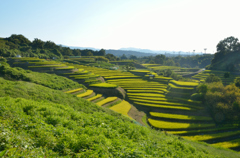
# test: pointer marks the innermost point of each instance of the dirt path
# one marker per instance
(136, 115)
(98, 99)
(101, 79)
(194, 73)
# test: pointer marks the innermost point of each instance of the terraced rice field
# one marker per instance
(171, 110)
(87, 93)
(74, 90)
(107, 100)
(177, 126)
(203, 75)
(95, 97)
(122, 108)
(104, 85)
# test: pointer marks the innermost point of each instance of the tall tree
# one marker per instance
(159, 59)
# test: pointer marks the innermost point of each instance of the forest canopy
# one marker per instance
(20, 45)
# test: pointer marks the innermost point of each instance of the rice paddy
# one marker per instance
(87, 93)
(122, 108)
(175, 125)
(107, 100)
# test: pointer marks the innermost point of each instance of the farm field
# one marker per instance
(203, 75)
(161, 94)
(155, 92)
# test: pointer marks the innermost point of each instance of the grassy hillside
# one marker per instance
(230, 62)
(41, 121)
(48, 80)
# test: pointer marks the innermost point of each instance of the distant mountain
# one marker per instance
(73, 47)
(128, 53)
(137, 51)
(145, 50)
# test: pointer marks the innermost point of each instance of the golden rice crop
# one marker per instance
(95, 97)
(103, 85)
(163, 106)
(122, 108)
(105, 101)
(177, 116)
(211, 136)
(87, 93)
(74, 90)
(228, 144)
(176, 125)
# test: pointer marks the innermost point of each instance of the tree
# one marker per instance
(37, 43)
(202, 89)
(50, 45)
(111, 57)
(124, 57)
(133, 57)
(101, 52)
(66, 51)
(229, 44)
(76, 52)
(237, 82)
(226, 46)
(89, 53)
(159, 59)
(212, 78)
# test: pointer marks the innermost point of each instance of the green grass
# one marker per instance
(48, 80)
(175, 125)
(182, 117)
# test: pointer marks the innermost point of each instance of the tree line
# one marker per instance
(20, 45)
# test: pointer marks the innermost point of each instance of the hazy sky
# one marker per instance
(176, 25)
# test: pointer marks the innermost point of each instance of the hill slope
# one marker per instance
(40, 121)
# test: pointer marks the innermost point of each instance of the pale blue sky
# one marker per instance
(175, 25)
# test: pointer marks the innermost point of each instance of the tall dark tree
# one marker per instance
(37, 43)
(124, 57)
(159, 59)
(101, 52)
(76, 52)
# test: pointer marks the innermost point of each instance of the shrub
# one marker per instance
(197, 97)
(212, 78)
(237, 82)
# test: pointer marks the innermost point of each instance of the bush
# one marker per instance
(212, 78)
(197, 97)
(202, 89)
(237, 82)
